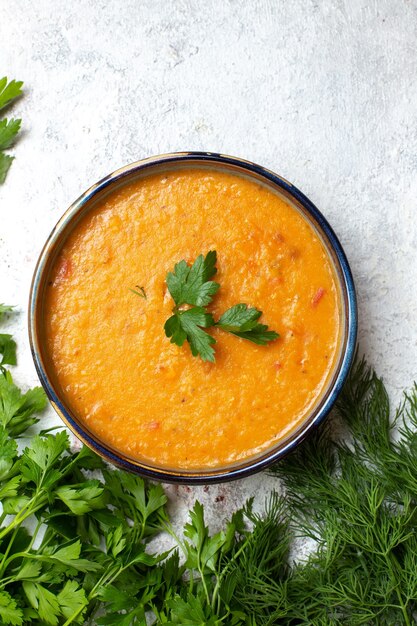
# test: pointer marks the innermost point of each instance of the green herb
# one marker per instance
(219, 568)
(139, 291)
(240, 320)
(9, 129)
(5, 309)
(9, 90)
(7, 350)
(8, 132)
(357, 499)
(191, 286)
(188, 325)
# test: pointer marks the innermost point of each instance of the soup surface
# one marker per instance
(152, 400)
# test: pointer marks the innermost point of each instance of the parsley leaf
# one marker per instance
(144, 503)
(259, 334)
(241, 320)
(9, 91)
(191, 611)
(82, 498)
(30, 569)
(5, 163)
(17, 410)
(8, 449)
(10, 613)
(72, 599)
(203, 551)
(69, 555)
(8, 132)
(7, 350)
(188, 325)
(4, 308)
(39, 460)
(43, 601)
(191, 285)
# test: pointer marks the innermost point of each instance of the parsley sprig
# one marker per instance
(191, 287)
(242, 321)
(9, 128)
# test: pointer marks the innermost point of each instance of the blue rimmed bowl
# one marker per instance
(164, 163)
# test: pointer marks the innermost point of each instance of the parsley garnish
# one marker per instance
(8, 128)
(191, 286)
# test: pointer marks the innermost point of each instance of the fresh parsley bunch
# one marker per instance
(85, 545)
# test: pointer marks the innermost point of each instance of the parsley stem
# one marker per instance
(76, 614)
(225, 569)
(106, 579)
(3, 564)
(16, 555)
(203, 578)
(169, 529)
(19, 518)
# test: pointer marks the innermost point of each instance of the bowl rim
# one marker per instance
(244, 467)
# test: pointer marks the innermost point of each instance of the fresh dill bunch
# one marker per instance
(357, 499)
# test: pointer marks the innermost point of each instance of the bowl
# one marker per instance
(292, 196)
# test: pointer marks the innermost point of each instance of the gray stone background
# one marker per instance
(322, 92)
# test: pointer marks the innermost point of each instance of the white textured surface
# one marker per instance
(324, 93)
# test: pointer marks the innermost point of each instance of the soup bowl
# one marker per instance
(242, 464)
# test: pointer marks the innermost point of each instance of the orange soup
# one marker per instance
(151, 400)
